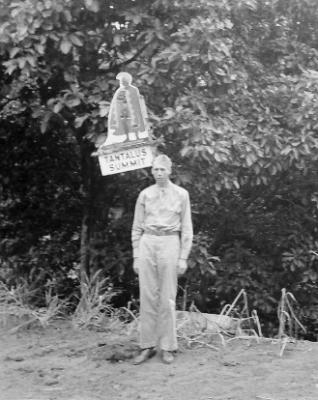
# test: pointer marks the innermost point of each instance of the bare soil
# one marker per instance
(61, 363)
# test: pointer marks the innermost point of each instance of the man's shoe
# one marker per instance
(144, 355)
(167, 357)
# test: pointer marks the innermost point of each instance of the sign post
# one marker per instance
(128, 145)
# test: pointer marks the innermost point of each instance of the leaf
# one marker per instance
(236, 183)
(21, 62)
(217, 157)
(39, 48)
(73, 102)
(249, 160)
(45, 121)
(313, 275)
(103, 109)
(14, 51)
(68, 15)
(117, 40)
(169, 113)
(185, 151)
(65, 46)
(92, 5)
(15, 12)
(220, 71)
(11, 66)
(69, 77)
(48, 4)
(31, 60)
(22, 30)
(80, 120)
(136, 19)
(76, 40)
(57, 107)
(286, 150)
(104, 65)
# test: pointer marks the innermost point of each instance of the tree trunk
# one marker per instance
(84, 251)
(87, 178)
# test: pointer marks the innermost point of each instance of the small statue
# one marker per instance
(127, 119)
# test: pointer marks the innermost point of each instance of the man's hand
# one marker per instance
(182, 266)
(136, 265)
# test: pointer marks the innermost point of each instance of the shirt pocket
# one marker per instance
(174, 206)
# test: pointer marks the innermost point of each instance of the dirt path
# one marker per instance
(61, 363)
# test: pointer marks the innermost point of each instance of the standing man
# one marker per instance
(162, 239)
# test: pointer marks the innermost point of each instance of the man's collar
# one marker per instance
(169, 183)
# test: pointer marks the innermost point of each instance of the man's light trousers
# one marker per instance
(158, 260)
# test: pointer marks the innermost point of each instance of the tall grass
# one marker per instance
(94, 310)
(15, 308)
(94, 307)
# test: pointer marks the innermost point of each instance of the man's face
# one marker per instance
(161, 174)
(125, 81)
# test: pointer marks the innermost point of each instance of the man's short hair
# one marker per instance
(163, 160)
(124, 75)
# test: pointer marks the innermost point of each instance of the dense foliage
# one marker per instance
(232, 90)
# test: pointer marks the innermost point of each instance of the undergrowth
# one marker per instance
(194, 329)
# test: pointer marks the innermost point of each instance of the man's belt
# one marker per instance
(156, 232)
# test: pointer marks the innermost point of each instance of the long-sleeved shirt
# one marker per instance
(163, 209)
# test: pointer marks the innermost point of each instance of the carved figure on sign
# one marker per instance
(127, 119)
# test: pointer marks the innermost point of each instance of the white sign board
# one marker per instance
(126, 160)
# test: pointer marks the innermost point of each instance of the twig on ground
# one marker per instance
(195, 340)
(130, 313)
(229, 307)
(283, 345)
(264, 398)
(257, 322)
(287, 319)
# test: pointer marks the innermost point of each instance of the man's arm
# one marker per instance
(138, 225)
(186, 229)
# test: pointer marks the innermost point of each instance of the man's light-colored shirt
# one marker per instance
(163, 209)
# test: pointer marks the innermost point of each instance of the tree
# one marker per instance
(232, 91)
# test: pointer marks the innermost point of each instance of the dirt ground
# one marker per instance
(61, 363)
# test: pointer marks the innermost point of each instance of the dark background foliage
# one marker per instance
(231, 89)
